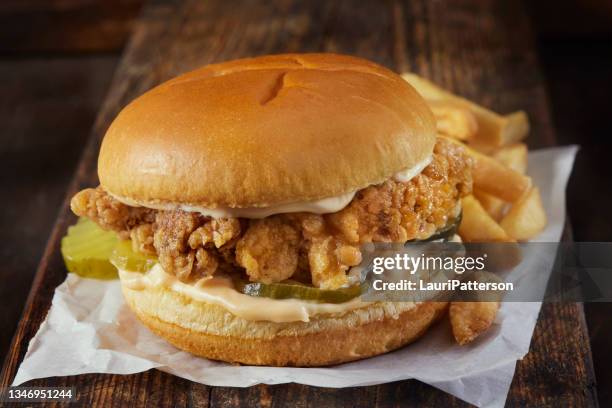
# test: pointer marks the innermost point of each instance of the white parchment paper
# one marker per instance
(89, 329)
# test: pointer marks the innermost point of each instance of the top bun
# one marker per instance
(265, 131)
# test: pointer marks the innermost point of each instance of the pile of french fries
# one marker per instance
(505, 205)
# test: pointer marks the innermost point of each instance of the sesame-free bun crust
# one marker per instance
(210, 331)
(264, 131)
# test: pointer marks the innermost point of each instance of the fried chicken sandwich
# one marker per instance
(245, 190)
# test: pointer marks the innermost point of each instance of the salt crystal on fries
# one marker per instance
(494, 130)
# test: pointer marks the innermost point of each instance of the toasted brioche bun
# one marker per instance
(266, 131)
(210, 331)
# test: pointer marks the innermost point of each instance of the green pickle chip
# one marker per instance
(298, 291)
(91, 252)
(124, 257)
(86, 249)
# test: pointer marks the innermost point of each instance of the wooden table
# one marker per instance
(480, 49)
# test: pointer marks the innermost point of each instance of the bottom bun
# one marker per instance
(210, 331)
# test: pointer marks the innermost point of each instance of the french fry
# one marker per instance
(470, 319)
(458, 123)
(526, 218)
(495, 207)
(498, 180)
(499, 130)
(494, 130)
(492, 177)
(513, 156)
(478, 226)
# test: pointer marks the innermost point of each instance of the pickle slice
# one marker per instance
(298, 291)
(86, 249)
(124, 257)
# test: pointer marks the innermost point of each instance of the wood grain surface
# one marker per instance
(480, 49)
(65, 26)
(48, 105)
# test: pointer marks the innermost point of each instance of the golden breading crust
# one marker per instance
(319, 249)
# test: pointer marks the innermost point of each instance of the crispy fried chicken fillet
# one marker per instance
(317, 249)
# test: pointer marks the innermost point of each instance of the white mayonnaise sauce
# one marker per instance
(322, 206)
(405, 176)
(220, 291)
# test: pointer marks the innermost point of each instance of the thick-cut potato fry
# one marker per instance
(455, 122)
(492, 205)
(513, 156)
(498, 180)
(499, 130)
(526, 218)
(470, 319)
(478, 226)
(492, 177)
(494, 130)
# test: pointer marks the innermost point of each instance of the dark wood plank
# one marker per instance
(52, 26)
(580, 122)
(482, 49)
(47, 109)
